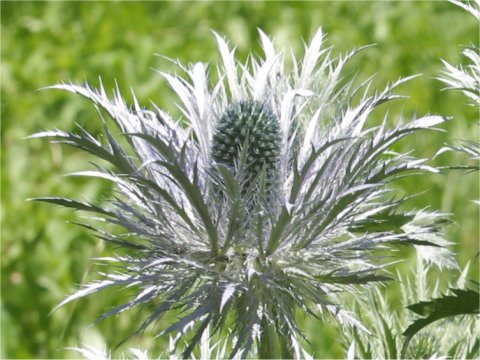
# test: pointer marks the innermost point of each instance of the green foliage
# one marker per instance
(462, 302)
(382, 221)
(47, 42)
(395, 329)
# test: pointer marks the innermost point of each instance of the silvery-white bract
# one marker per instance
(268, 194)
(466, 79)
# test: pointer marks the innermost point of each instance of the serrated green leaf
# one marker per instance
(463, 302)
(383, 222)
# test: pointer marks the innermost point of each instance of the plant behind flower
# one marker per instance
(267, 196)
(467, 80)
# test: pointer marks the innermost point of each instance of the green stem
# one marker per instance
(272, 345)
(266, 346)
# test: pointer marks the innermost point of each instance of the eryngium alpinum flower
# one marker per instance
(265, 197)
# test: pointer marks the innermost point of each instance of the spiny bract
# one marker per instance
(243, 269)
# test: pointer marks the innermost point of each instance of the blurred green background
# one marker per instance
(42, 43)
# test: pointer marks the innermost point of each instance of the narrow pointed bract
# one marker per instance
(268, 197)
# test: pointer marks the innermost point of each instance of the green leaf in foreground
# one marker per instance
(462, 302)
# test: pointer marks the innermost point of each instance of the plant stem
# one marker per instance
(266, 347)
(272, 345)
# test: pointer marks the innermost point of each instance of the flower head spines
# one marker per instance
(252, 124)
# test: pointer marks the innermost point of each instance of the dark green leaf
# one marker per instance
(383, 222)
(463, 302)
(77, 205)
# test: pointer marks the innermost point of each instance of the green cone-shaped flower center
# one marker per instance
(252, 124)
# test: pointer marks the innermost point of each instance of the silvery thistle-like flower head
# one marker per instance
(267, 195)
